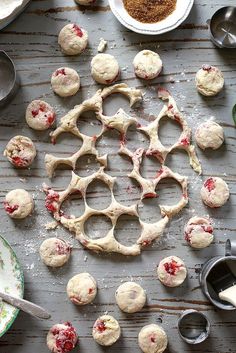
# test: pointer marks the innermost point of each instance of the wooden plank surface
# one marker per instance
(32, 42)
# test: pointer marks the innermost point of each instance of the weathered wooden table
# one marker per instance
(32, 42)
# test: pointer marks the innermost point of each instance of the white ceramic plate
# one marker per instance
(10, 9)
(11, 281)
(181, 12)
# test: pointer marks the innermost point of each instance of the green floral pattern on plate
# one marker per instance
(11, 281)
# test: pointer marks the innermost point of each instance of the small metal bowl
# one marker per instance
(9, 81)
(193, 326)
(223, 27)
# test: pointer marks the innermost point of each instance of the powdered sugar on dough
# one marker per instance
(171, 271)
(209, 80)
(209, 135)
(147, 64)
(62, 338)
(156, 148)
(215, 192)
(20, 151)
(104, 68)
(152, 339)
(199, 232)
(55, 252)
(40, 115)
(73, 39)
(18, 203)
(130, 297)
(82, 289)
(65, 82)
(106, 330)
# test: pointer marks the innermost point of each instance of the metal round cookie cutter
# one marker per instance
(9, 81)
(222, 27)
(193, 326)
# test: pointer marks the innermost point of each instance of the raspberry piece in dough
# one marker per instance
(40, 115)
(147, 64)
(199, 232)
(73, 39)
(55, 252)
(104, 69)
(152, 339)
(18, 203)
(130, 297)
(20, 151)
(172, 271)
(209, 80)
(209, 135)
(214, 192)
(82, 289)
(106, 330)
(62, 338)
(65, 82)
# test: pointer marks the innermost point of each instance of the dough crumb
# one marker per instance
(102, 45)
(51, 225)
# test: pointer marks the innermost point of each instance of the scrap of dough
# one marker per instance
(20, 151)
(73, 39)
(156, 148)
(107, 243)
(18, 203)
(209, 135)
(55, 252)
(82, 289)
(214, 192)
(106, 330)
(148, 186)
(65, 82)
(172, 271)
(68, 123)
(51, 225)
(147, 64)
(199, 232)
(209, 80)
(104, 68)
(130, 297)
(62, 338)
(152, 339)
(39, 115)
(102, 45)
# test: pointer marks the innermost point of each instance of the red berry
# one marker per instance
(209, 184)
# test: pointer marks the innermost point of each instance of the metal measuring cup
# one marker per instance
(193, 326)
(222, 27)
(219, 273)
(9, 81)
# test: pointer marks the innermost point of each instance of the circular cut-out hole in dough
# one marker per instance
(169, 191)
(135, 139)
(66, 145)
(114, 102)
(178, 162)
(98, 195)
(169, 131)
(127, 230)
(73, 205)
(149, 210)
(127, 191)
(88, 124)
(108, 143)
(97, 226)
(149, 167)
(87, 165)
(61, 177)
